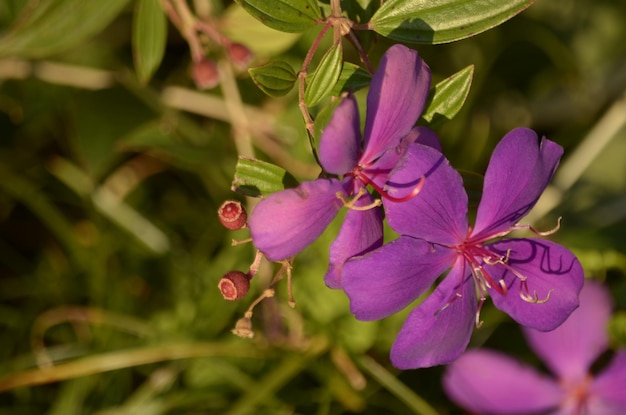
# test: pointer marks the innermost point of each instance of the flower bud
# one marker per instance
(234, 285)
(205, 74)
(239, 55)
(232, 215)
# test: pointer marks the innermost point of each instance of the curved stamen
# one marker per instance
(540, 233)
(350, 204)
(446, 305)
(533, 299)
(414, 192)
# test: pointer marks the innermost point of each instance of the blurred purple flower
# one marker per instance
(286, 222)
(536, 282)
(488, 382)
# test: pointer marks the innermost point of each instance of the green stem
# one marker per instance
(393, 385)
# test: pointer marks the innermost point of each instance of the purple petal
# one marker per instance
(341, 140)
(552, 272)
(388, 279)
(487, 382)
(571, 348)
(439, 212)
(361, 232)
(379, 171)
(439, 329)
(286, 222)
(395, 100)
(609, 384)
(424, 136)
(520, 168)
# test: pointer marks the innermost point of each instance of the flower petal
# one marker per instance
(341, 140)
(286, 222)
(439, 212)
(571, 348)
(424, 136)
(609, 384)
(361, 232)
(487, 382)
(439, 329)
(388, 279)
(551, 271)
(519, 170)
(395, 100)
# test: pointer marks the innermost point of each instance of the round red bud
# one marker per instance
(239, 55)
(232, 215)
(234, 285)
(205, 74)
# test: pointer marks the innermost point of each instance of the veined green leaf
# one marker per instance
(449, 96)
(441, 21)
(275, 78)
(258, 178)
(57, 25)
(284, 15)
(352, 78)
(325, 76)
(149, 38)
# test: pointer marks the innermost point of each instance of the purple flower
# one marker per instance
(536, 282)
(286, 222)
(488, 382)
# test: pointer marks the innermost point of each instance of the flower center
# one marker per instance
(480, 259)
(577, 394)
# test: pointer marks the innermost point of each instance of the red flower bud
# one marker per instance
(232, 215)
(205, 73)
(234, 285)
(239, 55)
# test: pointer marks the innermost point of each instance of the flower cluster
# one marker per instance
(488, 382)
(535, 281)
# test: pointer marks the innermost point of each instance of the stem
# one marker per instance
(354, 40)
(390, 382)
(188, 22)
(301, 81)
(122, 359)
(236, 112)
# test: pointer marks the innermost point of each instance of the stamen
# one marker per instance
(533, 299)
(540, 233)
(350, 204)
(503, 286)
(414, 192)
(446, 305)
(478, 323)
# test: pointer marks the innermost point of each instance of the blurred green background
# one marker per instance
(110, 248)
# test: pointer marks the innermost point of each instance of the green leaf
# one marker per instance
(325, 76)
(352, 78)
(448, 97)
(149, 38)
(241, 27)
(57, 25)
(441, 21)
(258, 178)
(284, 15)
(275, 78)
